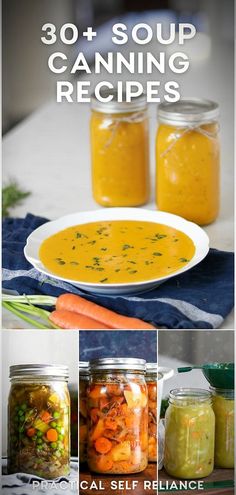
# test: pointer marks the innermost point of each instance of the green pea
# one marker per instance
(21, 429)
(39, 441)
(60, 437)
(23, 407)
(56, 414)
(58, 428)
(22, 419)
(53, 424)
(20, 413)
(39, 434)
(39, 447)
(53, 445)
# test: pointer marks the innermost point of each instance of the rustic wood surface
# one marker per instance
(104, 486)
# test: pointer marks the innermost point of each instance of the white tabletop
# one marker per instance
(49, 152)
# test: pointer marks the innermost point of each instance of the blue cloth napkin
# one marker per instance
(199, 298)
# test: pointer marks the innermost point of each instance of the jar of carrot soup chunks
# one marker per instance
(39, 420)
(189, 434)
(83, 430)
(188, 159)
(120, 151)
(151, 379)
(117, 416)
(223, 406)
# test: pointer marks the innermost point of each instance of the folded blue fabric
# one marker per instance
(199, 298)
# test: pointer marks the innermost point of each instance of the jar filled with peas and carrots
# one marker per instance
(151, 379)
(39, 421)
(117, 416)
(83, 430)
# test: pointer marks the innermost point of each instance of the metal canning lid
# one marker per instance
(109, 364)
(188, 111)
(151, 368)
(84, 368)
(138, 104)
(39, 370)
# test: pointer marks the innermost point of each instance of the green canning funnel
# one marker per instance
(219, 375)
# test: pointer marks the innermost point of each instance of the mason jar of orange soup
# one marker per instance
(188, 159)
(120, 151)
(117, 416)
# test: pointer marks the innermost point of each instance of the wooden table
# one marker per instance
(103, 483)
(218, 475)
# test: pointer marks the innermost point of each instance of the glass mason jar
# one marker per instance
(151, 379)
(223, 406)
(188, 159)
(83, 429)
(120, 151)
(73, 390)
(189, 434)
(39, 420)
(117, 416)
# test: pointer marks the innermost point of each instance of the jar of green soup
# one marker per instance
(190, 434)
(223, 406)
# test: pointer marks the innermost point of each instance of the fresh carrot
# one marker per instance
(74, 321)
(52, 435)
(103, 445)
(31, 432)
(77, 304)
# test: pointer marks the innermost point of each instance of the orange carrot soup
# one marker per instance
(116, 251)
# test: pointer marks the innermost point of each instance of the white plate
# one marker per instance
(198, 236)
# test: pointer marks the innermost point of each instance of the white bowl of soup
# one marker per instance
(116, 250)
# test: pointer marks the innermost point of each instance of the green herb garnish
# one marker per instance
(12, 195)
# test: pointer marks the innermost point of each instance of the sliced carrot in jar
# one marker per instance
(103, 445)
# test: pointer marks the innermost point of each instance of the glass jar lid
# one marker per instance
(188, 111)
(189, 395)
(39, 371)
(84, 368)
(109, 364)
(138, 104)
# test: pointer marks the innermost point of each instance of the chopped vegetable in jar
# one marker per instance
(223, 406)
(39, 429)
(189, 435)
(117, 424)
